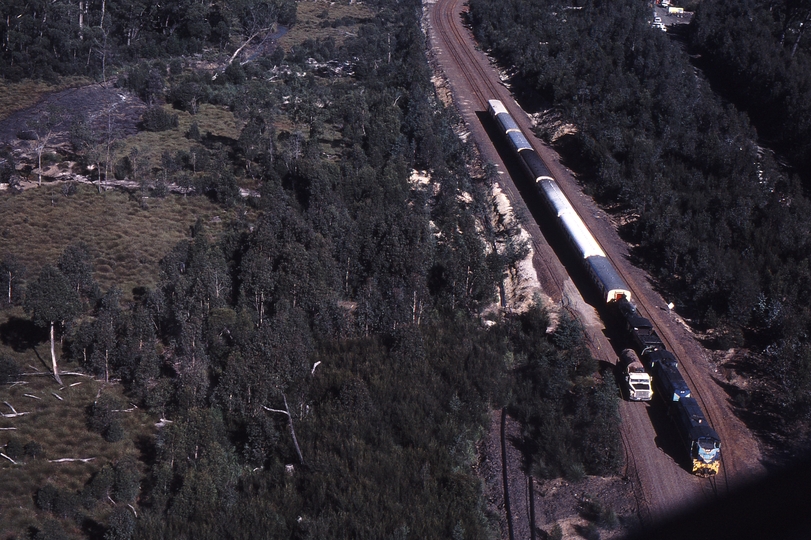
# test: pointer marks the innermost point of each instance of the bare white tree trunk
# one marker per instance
(286, 411)
(53, 356)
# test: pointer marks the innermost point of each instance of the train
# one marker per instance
(702, 443)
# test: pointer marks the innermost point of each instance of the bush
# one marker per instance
(99, 487)
(45, 497)
(157, 119)
(14, 449)
(114, 432)
(122, 168)
(194, 132)
(161, 189)
(69, 188)
(9, 370)
(33, 450)
(100, 416)
(121, 525)
(127, 481)
(66, 504)
(51, 530)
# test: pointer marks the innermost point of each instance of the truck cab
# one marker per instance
(637, 380)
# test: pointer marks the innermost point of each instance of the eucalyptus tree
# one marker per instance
(50, 300)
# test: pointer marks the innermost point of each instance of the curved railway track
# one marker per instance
(447, 12)
(661, 485)
(481, 86)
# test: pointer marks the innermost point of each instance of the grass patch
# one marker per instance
(213, 119)
(314, 20)
(17, 96)
(60, 427)
(126, 241)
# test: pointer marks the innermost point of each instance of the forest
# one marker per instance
(717, 219)
(318, 365)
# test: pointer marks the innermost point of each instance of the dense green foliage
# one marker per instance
(711, 217)
(569, 414)
(47, 39)
(759, 56)
(321, 366)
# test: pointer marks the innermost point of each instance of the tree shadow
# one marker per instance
(22, 334)
(590, 531)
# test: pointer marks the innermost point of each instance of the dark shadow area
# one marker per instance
(526, 447)
(92, 529)
(667, 437)
(759, 410)
(22, 334)
(775, 507)
(589, 532)
(619, 379)
(146, 447)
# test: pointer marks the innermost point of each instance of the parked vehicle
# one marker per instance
(637, 380)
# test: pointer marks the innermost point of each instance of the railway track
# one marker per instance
(484, 90)
(663, 484)
(480, 84)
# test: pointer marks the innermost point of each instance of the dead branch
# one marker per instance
(8, 429)
(50, 373)
(239, 50)
(133, 510)
(57, 396)
(134, 407)
(8, 458)
(292, 431)
(14, 412)
(68, 460)
(76, 384)
(14, 415)
(32, 396)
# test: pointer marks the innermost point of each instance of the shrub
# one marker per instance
(157, 119)
(66, 504)
(590, 508)
(127, 481)
(45, 497)
(121, 524)
(14, 449)
(100, 416)
(9, 370)
(99, 487)
(114, 432)
(69, 188)
(122, 168)
(51, 530)
(161, 189)
(608, 519)
(194, 132)
(575, 472)
(26, 135)
(33, 450)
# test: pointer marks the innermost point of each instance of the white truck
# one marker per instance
(637, 380)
